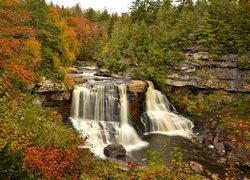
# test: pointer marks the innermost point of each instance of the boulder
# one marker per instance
(114, 151)
(136, 86)
(196, 167)
(100, 78)
(104, 72)
(219, 147)
(73, 70)
(79, 80)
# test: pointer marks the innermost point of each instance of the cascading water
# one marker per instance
(160, 119)
(94, 113)
(127, 134)
(100, 113)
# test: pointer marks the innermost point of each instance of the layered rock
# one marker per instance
(137, 86)
(49, 86)
(198, 70)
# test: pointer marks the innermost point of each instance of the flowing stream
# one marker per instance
(100, 113)
(161, 116)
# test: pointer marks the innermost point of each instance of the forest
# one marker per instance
(41, 41)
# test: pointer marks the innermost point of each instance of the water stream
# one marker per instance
(161, 116)
(100, 112)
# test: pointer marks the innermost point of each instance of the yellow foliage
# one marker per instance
(69, 43)
(56, 62)
(16, 140)
(69, 82)
(31, 53)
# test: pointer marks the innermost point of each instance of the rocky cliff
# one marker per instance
(198, 70)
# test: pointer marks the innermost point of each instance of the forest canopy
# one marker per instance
(40, 41)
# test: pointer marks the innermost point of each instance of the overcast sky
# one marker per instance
(111, 5)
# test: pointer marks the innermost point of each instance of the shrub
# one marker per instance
(51, 163)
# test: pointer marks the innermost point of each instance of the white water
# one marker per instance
(127, 135)
(161, 118)
(102, 118)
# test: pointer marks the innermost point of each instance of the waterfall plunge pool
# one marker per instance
(163, 144)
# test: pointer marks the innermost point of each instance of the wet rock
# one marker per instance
(239, 157)
(136, 86)
(73, 70)
(100, 78)
(216, 138)
(196, 167)
(76, 78)
(229, 145)
(200, 139)
(115, 151)
(116, 76)
(219, 147)
(210, 138)
(104, 72)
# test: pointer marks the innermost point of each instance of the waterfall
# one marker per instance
(159, 118)
(127, 134)
(100, 113)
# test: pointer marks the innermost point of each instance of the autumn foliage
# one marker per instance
(17, 44)
(51, 163)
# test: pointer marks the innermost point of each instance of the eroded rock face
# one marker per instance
(198, 70)
(49, 86)
(114, 151)
(136, 86)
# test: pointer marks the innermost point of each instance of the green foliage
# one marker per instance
(157, 32)
(145, 10)
(243, 62)
(156, 168)
(11, 164)
(44, 125)
(232, 109)
(154, 158)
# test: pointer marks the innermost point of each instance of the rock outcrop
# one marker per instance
(49, 86)
(198, 70)
(136, 86)
(52, 94)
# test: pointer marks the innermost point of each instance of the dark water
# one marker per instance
(191, 151)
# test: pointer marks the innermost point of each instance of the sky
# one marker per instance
(112, 6)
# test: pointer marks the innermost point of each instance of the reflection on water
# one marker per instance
(191, 151)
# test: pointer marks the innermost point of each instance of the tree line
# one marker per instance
(158, 32)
